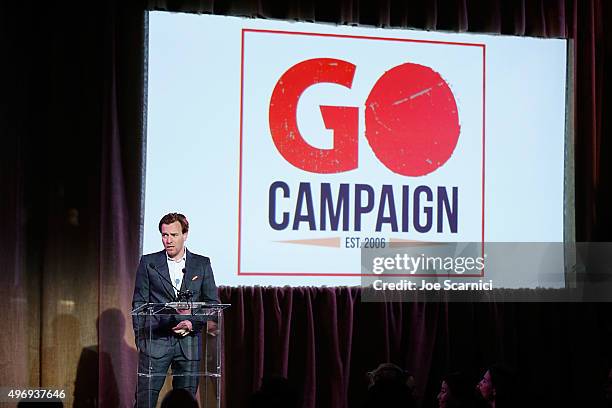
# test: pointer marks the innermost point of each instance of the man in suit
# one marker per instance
(166, 340)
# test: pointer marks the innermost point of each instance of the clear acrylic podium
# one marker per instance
(153, 324)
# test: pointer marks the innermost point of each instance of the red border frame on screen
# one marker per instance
(360, 37)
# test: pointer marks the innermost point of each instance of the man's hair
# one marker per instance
(174, 217)
(388, 372)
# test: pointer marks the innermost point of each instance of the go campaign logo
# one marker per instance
(339, 146)
(411, 119)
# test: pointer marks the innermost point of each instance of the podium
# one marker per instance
(153, 323)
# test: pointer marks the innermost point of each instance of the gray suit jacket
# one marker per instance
(153, 285)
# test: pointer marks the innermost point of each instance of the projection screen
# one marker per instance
(290, 146)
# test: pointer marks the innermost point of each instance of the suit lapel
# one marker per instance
(190, 267)
(162, 267)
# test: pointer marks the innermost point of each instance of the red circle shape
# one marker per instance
(412, 124)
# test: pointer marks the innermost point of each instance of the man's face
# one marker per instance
(485, 386)
(173, 239)
(443, 395)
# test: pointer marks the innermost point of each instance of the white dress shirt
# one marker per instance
(176, 270)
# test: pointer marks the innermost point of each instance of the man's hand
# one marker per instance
(183, 328)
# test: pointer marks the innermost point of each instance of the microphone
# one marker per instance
(152, 266)
(184, 295)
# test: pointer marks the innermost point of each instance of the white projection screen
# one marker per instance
(291, 145)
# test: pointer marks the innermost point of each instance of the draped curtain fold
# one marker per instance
(71, 186)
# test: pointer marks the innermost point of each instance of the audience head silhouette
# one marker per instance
(497, 386)
(390, 387)
(456, 391)
(179, 398)
(275, 392)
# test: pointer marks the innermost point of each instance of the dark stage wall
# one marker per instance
(70, 189)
